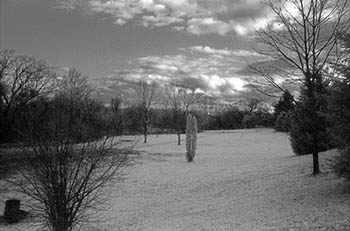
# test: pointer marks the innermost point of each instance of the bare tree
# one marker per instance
(180, 98)
(189, 97)
(22, 80)
(252, 104)
(74, 85)
(173, 99)
(303, 35)
(145, 98)
(65, 179)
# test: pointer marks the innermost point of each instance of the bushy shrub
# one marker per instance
(160, 119)
(132, 121)
(64, 179)
(248, 121)
(257, 119)
(59, 116)
(228, 119)
(342, 164)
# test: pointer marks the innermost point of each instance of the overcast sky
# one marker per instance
(206, 41)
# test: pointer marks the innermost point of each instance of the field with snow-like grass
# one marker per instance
(239, 180)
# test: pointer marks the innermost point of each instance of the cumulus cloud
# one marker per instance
(211, 71)
(208, 25)
(194, 16)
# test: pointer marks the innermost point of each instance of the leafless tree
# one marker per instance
(22, 80)
(74, 85)
(180, 98)
(66, 180)
(145, 99)
(303, 36)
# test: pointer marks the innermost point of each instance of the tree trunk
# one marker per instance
(145, 134)
(178, 139)
(316, 163)
(145, 125)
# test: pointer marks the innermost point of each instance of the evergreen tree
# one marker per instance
(309, 127)
(339, 107)
(285, 103)
(283, 111)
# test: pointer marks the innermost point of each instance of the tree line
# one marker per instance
(32, 95)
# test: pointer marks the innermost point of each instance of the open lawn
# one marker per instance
(240, 180)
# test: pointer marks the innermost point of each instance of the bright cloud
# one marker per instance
(206, 69)
(194, 16)
(208, 50)
(221, 52)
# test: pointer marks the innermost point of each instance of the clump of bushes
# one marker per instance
(257, 119)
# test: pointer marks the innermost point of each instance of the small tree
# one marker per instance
(191, 137)
(309, 126)
(173, 99)
(66, 180)
(145, 98)
(180, 98)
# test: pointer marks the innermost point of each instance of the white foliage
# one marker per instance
(191, 137)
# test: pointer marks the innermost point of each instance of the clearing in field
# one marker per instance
(240, 180)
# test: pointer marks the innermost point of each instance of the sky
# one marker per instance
(204, 42)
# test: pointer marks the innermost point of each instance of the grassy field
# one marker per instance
(240, 180)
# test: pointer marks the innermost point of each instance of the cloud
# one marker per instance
(222, 52)
(210, 25)
(197, 17)
(211, 71)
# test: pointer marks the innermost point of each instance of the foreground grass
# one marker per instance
(240, 180)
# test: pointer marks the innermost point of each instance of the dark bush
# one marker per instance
(227, 119)
(342, 164)
(132, 121)
(49, 118)
(257, 119)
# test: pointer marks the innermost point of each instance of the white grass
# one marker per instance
(239, 180)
